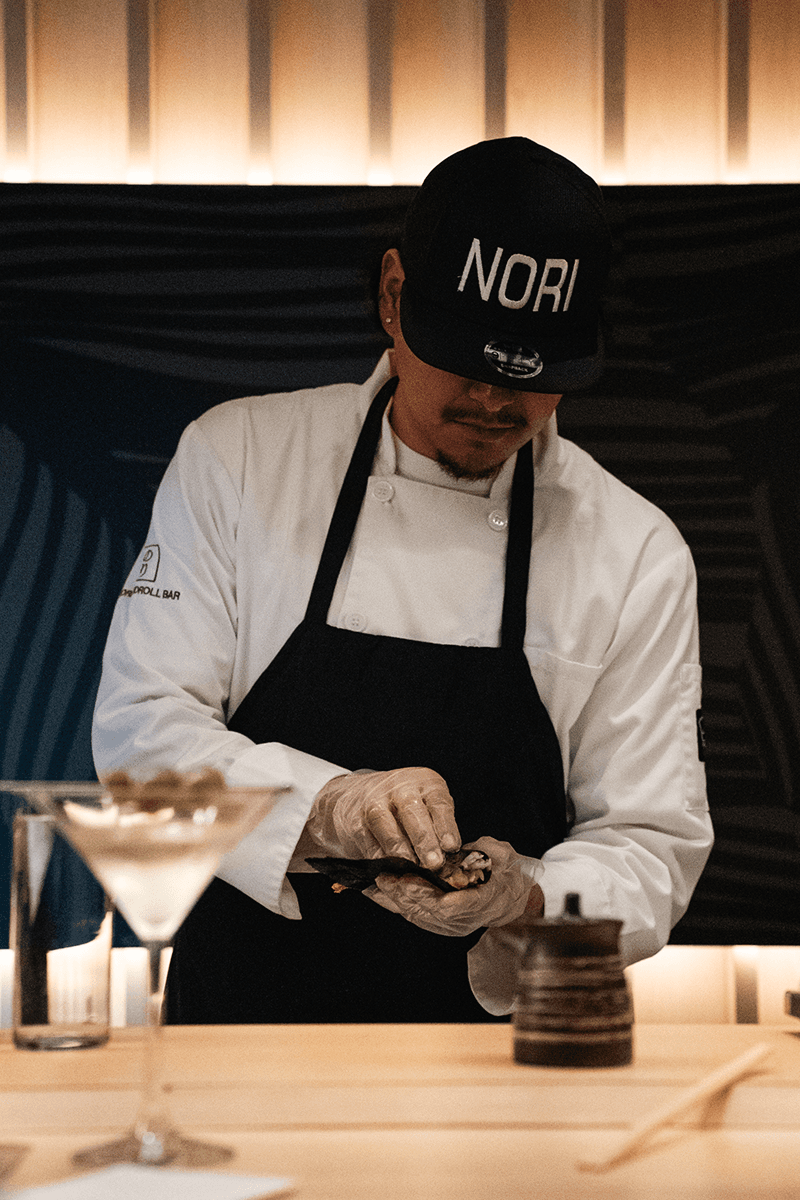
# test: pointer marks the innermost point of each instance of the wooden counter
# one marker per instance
(426, 1112)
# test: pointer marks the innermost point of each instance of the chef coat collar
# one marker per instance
(544, 448)
(421, 469)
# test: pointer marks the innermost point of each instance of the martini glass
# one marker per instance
(154, 848)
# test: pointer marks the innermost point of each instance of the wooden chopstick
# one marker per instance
(705, 1089)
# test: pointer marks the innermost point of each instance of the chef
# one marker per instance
(442, 624)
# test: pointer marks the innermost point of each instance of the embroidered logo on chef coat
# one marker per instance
(148, 564)
(147, 573)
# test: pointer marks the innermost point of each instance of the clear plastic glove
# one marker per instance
(408, 812)
(499, 901)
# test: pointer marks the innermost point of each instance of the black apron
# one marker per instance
(362, 700)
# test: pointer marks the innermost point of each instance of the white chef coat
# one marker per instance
(612, 641)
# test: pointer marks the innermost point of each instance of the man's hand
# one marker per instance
(408, 812)
(503, 899)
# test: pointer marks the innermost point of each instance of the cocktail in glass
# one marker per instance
(154, 848)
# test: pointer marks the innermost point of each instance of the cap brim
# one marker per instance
(452, 344)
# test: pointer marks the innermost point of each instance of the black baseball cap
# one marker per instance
(506, 250)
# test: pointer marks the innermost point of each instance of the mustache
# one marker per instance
(481, 417)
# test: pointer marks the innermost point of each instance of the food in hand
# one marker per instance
(461, 869)
(465, 868)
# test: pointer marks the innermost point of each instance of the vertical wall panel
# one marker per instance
(260, 92)
(775, 90)
(78, 117)
(380, 38)
(140, 158)
(437, 84)
(320, 91)
(18, 55)
(738, 90)
(674, 103)
(554, 76)
(613, 85)
(200, 91)
(3, 113)
(495, 47)
(357, 91)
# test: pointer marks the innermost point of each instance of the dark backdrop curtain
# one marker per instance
(125, 312)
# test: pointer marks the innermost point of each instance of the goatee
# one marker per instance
(457, 470)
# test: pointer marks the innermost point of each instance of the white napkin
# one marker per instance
(159, 1183)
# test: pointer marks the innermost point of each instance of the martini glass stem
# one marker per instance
(153, 1124)
(154, 1139)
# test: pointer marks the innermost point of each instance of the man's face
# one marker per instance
(470, 428)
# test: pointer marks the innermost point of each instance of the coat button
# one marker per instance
(355, 621)
(383, 490)
(497, 519)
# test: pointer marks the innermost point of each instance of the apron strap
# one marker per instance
(348, 506)
(518, 552)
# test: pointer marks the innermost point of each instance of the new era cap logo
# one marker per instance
(515, 361)
(516, 283)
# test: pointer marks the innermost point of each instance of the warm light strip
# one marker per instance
(679, 985)
(375, 91)
(716, 985)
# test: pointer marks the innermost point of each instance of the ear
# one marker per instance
(392, 276)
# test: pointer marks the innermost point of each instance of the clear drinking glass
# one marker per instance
(154, 849)
(61, 937)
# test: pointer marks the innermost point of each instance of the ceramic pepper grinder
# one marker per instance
(573, 1006)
